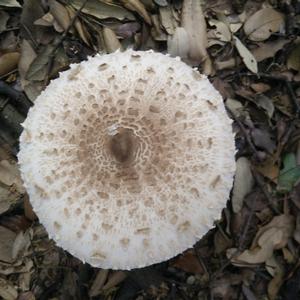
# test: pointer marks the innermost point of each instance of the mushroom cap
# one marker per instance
(128, 158)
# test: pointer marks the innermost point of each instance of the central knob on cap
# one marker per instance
(122, 144)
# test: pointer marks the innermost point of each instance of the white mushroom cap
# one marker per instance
(128, 158)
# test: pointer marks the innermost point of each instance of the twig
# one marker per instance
(244, 131)
(60, 40)
(18, 99)
(265, 192)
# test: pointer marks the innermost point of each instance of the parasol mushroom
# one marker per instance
(128, 158)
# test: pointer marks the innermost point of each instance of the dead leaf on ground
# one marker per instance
(7, 290)
(10, 3)
(60, 14)
(98, 283)
(137, 6)
(247, 57)
(263, 23)
(7, 238)
(111, 41)
(102, 10)
(293, 61)
(270, 237)
(167, 20)
(265, 103)
(188, 262)
(3, 20)
(222, 31)
(9, 62)
(243, 183)
(114, 279)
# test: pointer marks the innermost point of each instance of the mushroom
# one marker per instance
(128, 158)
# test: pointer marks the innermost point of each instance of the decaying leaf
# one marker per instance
(188, 262)
(167, 19)
(293, 61)
(60, 14)
(111, 41)
(10, 3)
(270, 237)
(222, 31)
(243, 183)
(262, 139)
(247, 57)
(178, 44)
(263, 23)
(102, 10)
(98, 283)
(7, 238)
(114, 279)
(290, 174)
(138, 6)
(9, 62)
(3, 20)
(266, 103)
(7, 290)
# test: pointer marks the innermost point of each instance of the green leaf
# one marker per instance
(289, 175)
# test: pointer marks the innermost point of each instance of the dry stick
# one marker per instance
(60, 40)
(244, 131)
(265, 192)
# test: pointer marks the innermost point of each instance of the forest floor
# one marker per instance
(252, 57)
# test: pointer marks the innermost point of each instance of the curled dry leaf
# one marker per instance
(270, 237)
(243, 183)
(7, 238)
(263, 23)
(188, 262)
(222, 31)
(60, 14)
(10, 3)
(3, 20)
(178, 44)
(138, 6)
(9, 62)
(116, 278)
(111, 41)
(247, 57)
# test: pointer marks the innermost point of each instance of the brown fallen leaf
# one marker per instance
(263, 23)
(60, 14)
(9, 62)
(111, 41)
(7, 238)
(7, 290)
(138, 6)
(116, 278)
(188, 262)
(270, 237)
(293, 61)
(247, 57)
(167, 19)
(28, 211)
(98, 283)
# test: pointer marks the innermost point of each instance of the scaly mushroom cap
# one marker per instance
(128, 158)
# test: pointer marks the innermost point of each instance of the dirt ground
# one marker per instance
(250, 51)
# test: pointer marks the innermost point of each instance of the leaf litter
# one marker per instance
(250, 51)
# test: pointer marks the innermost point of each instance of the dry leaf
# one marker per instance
(60, 14)
(263, 23)
(222, 32)
(9, 62)
(7, 238)
(98, 283)
(10, 3)
(178, 44)
(293, 61)
(167, 20)
(188, 262)
(102, 10)
(116, 278)
(136, 5)
(265, 103)
(111, 41)
(270, 237)
(269, 169)
(243, 183)
(7, 290)
(3, 20)
(247, 57)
